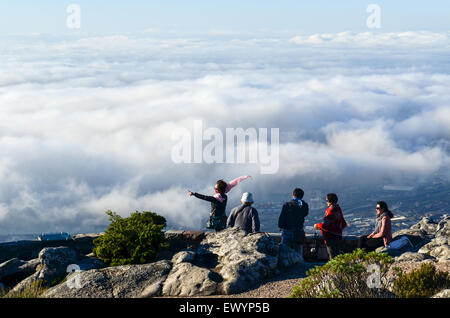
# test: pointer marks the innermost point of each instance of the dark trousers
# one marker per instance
(370, 244)
(293, 239)
(334, 246)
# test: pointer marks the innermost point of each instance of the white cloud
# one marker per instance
(86, 122)
(419, 38)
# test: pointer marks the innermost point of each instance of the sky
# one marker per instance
(88, 115)
(49, 16)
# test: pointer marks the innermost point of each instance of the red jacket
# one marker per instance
(333, 222)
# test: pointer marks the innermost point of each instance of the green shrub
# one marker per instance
(421, 283)
(131, 240)
(346, 276)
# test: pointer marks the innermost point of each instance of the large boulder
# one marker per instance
(243, 260)
(15, 270)
(52, 267)
(186, 280)
(427, 225)
(54, 262)
(442, 253)
(125, 281)
(443, 227)
(288, 256)
(438, 247)
(411, 256)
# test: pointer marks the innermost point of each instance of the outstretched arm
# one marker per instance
(202, 197)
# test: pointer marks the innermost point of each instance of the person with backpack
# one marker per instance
(245, 216)
(332, 226)
(291, 220)
(382, 234)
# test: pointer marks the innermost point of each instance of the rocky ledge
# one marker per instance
(226, 262)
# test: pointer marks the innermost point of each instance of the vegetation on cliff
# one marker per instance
(351, 275)
(131, 240)
(421, 283)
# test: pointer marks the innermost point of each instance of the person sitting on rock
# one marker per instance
(332, 226)
(382, 235)
(245, 216)
(291, 220)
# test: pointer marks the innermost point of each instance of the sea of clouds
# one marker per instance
(86, 121)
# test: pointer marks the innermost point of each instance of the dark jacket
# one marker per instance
(217, 208)
(292, 216)
(244, 217)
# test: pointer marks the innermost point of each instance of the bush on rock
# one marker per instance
(421, 283)
(131, 240)
(351, 275)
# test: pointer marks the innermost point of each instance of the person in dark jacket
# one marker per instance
(332, 226)
(291, 220)
(245, 216)
(217, 217)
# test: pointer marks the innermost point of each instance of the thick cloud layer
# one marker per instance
(87, 121)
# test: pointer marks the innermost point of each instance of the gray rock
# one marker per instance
(392, 252)
(288, 257)
(443, 227)
(88, 263)
(435, 242)
(416, 236)
(442, 253)
(410, 256)
(15, 270)
(86, 237)
(437, 247)
(183, 256)
(443, 294)
(427, 225)
(52, 266)
(54, 262)
(187, 280)
(128, 281)
(10, 267)
(243, 260)
(30, 266)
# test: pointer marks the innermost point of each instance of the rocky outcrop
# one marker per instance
(242, 260)
(186, 279)
(15, 270)
(52, 265)
(53, 262)
(28, 250)
(224, 262)
(114, 282)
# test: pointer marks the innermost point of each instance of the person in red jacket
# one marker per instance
(332, 226)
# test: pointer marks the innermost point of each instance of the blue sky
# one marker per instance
(244, 16)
